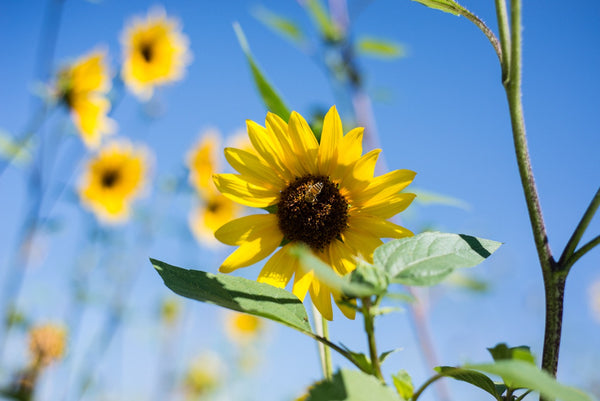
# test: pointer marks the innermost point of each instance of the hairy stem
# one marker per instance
(504, 28)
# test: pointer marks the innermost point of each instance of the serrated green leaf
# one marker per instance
(380, 48)
(326, 274)
(525, 375)
(448, 6)
(268, 94)
(368, 275)
(427, 258)
(351, 385)
(470, 376)
(279, 24)
(236, 293)
(403, 384)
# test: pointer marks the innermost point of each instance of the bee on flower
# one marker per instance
(214, 209)
(113, 179)
(321, 194)
(155, 52)
(82, 87)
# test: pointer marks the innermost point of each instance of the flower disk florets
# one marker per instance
(313, 211)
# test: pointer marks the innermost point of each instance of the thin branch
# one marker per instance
(486, 31)
(579, 231)
(504, 28)
(582, 251)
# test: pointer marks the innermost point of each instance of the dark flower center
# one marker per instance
(213, 206)
(110, 178)
(312, 210)
(147, 52)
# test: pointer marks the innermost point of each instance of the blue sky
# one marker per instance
(441, 111)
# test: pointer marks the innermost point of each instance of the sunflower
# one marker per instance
(242, 328)
(82, 87)
(47, 344)
(155, 52)
(214, 209)
(113, 179)
(322, 194)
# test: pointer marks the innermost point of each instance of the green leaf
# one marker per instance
(369, 276)
(470, 376)
(448, 6)
(403, 384)
(351, 385)
(269, 95)
(525, 375)
(380, 48)
(236, 293)
(279, 24)
(425, 197)
(10, 149)
(427, 258)
(322, 20)
(502, 351)
(385, 354)
(326, 274)
(360, 359)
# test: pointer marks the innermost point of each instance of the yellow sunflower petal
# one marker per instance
(389, 206)
(321, 298)
(239, 190)
(252, 251)
(383, 186)
(331, 138)
(359, 175)
(348, 311)
(341, 258)
(302, 281)
(361, 242)
(378, 227)
(279, 269)
(248, 227)
(304, 142)
(267, 147)
(250, 165)
(89, 114)
(352, 145)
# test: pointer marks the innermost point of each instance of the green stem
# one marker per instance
(370, 330)
(328, 369)
(336, 348)
(431, 380)
(582, 251)
(523, 395)
(486, 31)
(579, 231)
(553, 283)
(504, 29)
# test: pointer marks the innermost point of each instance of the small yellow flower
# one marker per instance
(243, 328)
(113, 179)
(204, 375)
(82, 87)
(203, 161)
(214, 209)
(155, 52)
(170, 311)
(323, 194)
(47, 344)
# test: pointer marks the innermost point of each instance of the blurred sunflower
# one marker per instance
(113, 179)
(204, 375)
(321, 194)
(242, 328)
(214, 209)
(47, 344)
(82, 87)
(155, 52)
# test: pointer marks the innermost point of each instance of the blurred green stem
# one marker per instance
(323, 334)
(370, 330)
